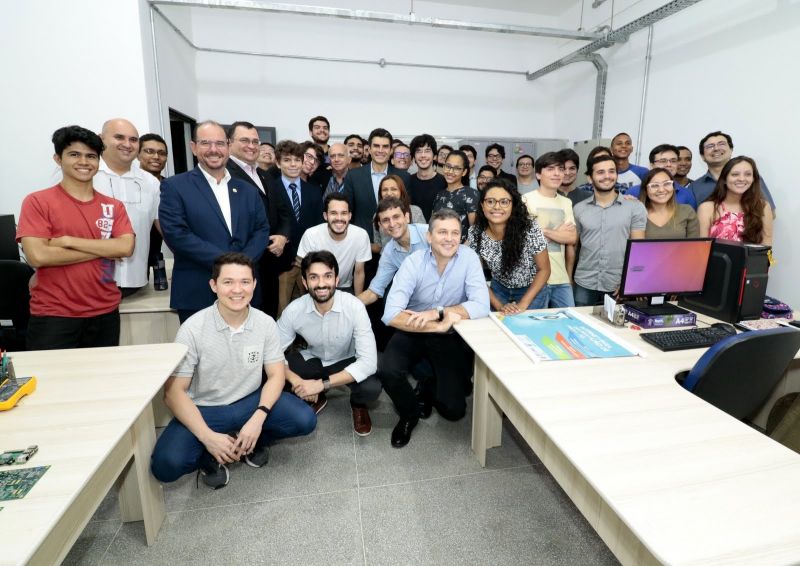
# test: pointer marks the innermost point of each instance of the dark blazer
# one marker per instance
(279, 210)
(195, 231)
(507, 176)
(310, 215)
(358, 190)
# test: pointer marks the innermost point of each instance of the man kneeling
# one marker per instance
(222, 412)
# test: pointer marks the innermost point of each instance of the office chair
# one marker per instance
(738, 373)
(14, 303)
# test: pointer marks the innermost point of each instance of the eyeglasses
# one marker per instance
(665, 161)
(249, 141)
(219, 144)
(453, 168)
(309, 157)
(494, 156)
(150, 151)
(493, 202)
(524, 164)
(718, 145)
(402, 155)
(663, 185)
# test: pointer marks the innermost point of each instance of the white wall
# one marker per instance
(285, 93)
(721, 64)
(64, 64)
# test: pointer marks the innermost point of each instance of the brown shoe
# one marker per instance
(362, 424)
(319, 404)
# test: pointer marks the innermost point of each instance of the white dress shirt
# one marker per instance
(250, 170)
(220, 191)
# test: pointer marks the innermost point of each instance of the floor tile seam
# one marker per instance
(358, 496)
(259, 501)
(439, 478)
(96, 521)
(110, 543)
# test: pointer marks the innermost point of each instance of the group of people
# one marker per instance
(290, 260)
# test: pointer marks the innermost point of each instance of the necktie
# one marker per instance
(295, 201)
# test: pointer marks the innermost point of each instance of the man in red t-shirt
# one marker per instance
(72, 234)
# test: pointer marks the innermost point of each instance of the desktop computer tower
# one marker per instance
(735, 284)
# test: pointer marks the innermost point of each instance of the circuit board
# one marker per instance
(15, 484)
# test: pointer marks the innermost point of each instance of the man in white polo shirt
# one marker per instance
(222, 412)
(350, 244)
(120, 178)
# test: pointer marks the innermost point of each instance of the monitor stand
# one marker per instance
(657, 306)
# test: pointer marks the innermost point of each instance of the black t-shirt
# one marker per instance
(422, 192)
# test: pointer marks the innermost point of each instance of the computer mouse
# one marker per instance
(724, 326)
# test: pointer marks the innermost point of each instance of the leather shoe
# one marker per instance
(402, 432)
(362, 424)
(425, 406)
(319, 404)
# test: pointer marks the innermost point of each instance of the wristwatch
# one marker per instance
(326, 383)
(440, 312)
(263, 408)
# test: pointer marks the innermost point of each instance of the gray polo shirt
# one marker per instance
(604, 234)
(225, 364)
(343, 332)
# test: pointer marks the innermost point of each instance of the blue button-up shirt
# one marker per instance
(419, 287)
(702, 188)
(393, 255)
(377, 177)
(286, 182)
(682, 194)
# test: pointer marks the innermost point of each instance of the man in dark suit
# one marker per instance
(244, 147)
(361, 185)
(306, 205)
(205, 213)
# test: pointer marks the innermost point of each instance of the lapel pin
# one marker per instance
(234, 190)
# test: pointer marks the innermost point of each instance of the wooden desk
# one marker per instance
(661, 475)
(92, 421)
(145, 316)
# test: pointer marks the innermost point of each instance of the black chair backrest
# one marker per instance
(14, 303)
(9, 249)
(738, 373)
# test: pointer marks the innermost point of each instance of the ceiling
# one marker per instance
(541, 7)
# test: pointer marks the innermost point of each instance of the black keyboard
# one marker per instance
(670, 340)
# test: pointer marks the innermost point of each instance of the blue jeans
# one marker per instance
(587, 297)
(505, 294)
(554, 297)
(177, 451)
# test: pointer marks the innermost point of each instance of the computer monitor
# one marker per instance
(661, 268)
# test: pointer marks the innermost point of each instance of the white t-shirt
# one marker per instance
(354, 248)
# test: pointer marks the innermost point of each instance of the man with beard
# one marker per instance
(340, 344)
(605, 222)
(355, 146)
(349, 244)
(320, 131)
(684, 166)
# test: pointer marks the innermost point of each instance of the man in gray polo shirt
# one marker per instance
(341, 346)
(605, 222)
(222, 412)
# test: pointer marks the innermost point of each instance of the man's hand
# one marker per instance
(221, 447)
(419, 319)
(308, 387)
(450, 318)
(249, 433)
(276, 244)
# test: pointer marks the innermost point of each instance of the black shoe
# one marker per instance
(215, 476)
(402, 432)
(425, 407)
(258, 458)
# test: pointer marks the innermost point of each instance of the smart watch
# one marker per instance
(440, 312)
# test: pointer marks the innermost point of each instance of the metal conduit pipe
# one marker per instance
(380, 62)
(381, 17)
(647, 58)
(155, 69)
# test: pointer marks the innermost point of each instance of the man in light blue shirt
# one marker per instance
(394, 217)
(432, 290)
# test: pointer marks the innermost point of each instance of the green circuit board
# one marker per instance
(15, 484)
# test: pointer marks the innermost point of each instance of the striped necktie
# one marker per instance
(295, 201)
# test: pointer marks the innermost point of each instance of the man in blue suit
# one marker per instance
(361, 185)
(205, 213)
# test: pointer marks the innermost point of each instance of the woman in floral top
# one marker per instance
(512, 246)
(736, 209)
(458, 195)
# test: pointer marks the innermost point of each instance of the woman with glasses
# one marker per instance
(665, 217)
(512, 246)
(737, 210)
(393, 186)
(458, 195)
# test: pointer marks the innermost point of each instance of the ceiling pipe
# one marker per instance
(381, 17)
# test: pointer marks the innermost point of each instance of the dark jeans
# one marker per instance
(178, 451)
(587, 297)
(360, 393)
(59, 332)
(451, 360)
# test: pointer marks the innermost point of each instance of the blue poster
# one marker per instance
(561, 335)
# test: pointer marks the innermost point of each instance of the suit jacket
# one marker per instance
(310, 215)
(358, 190)
(279, 210)
(195, 231)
